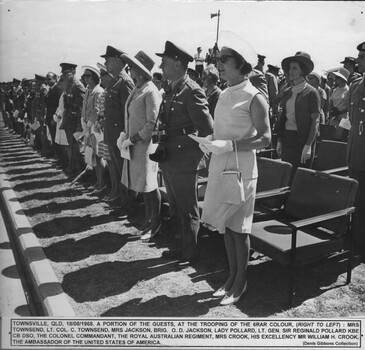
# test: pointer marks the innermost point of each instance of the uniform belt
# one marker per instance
(180, 131)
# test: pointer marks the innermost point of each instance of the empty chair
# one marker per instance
(332, 157)
(314, 223)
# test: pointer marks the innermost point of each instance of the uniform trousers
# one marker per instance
(358, 222)
(75, 162)
(181, 189)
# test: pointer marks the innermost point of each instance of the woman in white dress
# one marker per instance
(241, 126)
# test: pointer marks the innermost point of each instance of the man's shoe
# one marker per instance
(171, 254)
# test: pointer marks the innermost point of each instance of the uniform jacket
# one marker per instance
(272, 87)
(356, 139)
(258, 80)
(73, 99)
(115, 99)
(185, 107)
(213, 99)
(52, 99)
(307, 102)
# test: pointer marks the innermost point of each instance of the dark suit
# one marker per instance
(73, 99)
(52, 100)
(184, 110)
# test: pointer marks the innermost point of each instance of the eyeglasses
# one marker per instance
(224, 58)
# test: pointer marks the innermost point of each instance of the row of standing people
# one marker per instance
(154, 132)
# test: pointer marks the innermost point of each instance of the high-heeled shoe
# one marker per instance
(221, 292)
(150, 234)
(229, 300)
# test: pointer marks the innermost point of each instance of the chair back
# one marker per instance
(315, 193)
(331, 154)
(273, 173)
(326, 132)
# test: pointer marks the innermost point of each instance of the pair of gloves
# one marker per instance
(216, 147)
(306, 152)
(124, 141)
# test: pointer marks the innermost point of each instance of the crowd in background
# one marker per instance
(122, 120)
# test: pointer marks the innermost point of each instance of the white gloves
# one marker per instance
(121, 138)
(279, 149)
(306, 154)
(126, 143)
(203, 147)
(219, 147)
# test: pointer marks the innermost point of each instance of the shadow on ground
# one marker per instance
(71, 250)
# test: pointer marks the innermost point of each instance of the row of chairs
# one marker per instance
(308, 221)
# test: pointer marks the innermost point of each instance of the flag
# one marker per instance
(213, 15)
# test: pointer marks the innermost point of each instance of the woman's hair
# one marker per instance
(94, 77)
(212, 73)
(241, 64)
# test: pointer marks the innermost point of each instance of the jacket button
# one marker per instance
(178, 146)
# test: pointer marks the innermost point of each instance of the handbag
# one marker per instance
(231, 184)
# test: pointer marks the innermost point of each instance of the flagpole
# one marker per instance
(219, 14)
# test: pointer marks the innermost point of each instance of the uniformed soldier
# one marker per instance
(260, 63)
(73, 99)
(116, 95)
(184, 110)
(350, 64)
(356, 150)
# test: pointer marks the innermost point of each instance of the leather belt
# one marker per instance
(180, 131)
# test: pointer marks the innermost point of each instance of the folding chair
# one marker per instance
(315, 223)
(332, 157)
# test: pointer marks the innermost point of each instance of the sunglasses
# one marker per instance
(87, 75)
(224, 58)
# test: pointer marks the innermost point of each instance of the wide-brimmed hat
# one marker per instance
(92, 69)
(315, 74)
(342, 73)
(142, 61)
(301, 57)
(235, 42)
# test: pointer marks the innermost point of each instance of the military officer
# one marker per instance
(184, 110)
(350, 64)
(73, 99)
(356, 150)
(116, 95)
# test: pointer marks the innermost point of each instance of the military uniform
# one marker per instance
(184, 111)
(71, 122)
(116, 96)
(356, 155)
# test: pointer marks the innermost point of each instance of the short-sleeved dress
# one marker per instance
(232, 121)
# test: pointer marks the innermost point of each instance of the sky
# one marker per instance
(36, 36)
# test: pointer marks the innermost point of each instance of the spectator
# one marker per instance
(71, 123)
(199, 61)
(241, 126)
(210, 78)
(314, 79)
(157, 80)
(88, 118)
(349, 63)
(52, 100)
(355, 151)
(140, 173)
(184, 110)
(299, 119)
(115, 99)
(260, 63)
(339, 102)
